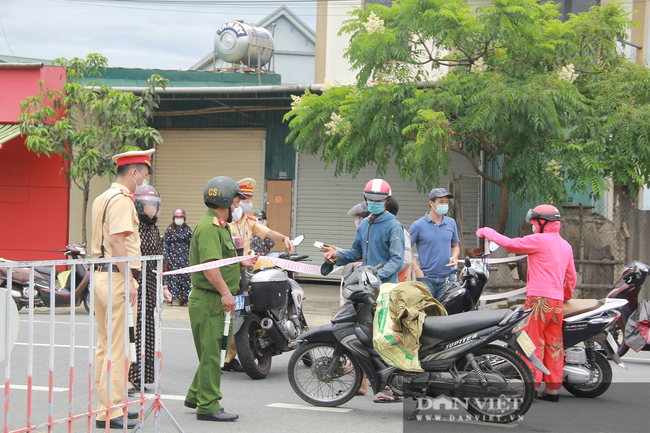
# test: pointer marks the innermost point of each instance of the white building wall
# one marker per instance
(337, 67)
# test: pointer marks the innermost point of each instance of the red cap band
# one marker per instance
(137, 159)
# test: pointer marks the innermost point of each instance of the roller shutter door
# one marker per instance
(189, 158)
(323, 200)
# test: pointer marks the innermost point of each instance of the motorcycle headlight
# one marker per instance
(349, 290)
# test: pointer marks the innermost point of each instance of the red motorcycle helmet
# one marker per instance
(179, 213)
(545, 213)
(377, 189)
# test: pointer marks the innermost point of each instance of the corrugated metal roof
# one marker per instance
(125, 77)
(7, 132)
(15, 59)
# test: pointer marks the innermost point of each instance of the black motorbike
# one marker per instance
(456, 354)
(270, 319)
(42, 277)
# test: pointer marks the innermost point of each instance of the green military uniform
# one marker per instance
(211, 241)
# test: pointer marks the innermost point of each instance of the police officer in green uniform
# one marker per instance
(212, 295)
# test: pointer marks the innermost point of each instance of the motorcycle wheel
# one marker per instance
(86, 302)
(601, 382)
(306, 369)
(255, 359)
(519, 379)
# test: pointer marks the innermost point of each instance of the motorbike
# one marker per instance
(628, 287)
(268, 317)
(457, 355)
(42, 277)
(587, 330)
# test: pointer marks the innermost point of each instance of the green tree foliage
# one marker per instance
(87, 127)
(513, 90)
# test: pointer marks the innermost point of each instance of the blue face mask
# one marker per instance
(375, 208)
(442, 209)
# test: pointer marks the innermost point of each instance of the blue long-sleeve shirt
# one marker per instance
(381, 241)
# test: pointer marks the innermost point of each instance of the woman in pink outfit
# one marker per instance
(551, 280)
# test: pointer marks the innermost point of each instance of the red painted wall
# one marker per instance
(34, 195)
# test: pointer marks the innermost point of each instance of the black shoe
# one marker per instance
(134, 415)
(136, 388)
(131, 391)
(219, 415)
(116, 423)
(233, 365)
(189, 404)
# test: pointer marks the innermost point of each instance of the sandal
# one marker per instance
(170, 303)
(548, 397)
(389, 397)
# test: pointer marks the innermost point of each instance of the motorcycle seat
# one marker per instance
(45, 271)
(457, 325)
(574, 307)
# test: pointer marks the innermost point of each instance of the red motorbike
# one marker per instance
(627, 287)
(42, 277)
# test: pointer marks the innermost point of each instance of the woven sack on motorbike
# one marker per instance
(387, 342)
(410, 303)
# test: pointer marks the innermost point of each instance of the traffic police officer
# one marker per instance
(212, 295)
(245, 228)
(115, 234)
(247, 225)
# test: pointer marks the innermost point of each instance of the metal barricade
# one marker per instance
(35, 413)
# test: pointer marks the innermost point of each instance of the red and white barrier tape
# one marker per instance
(289, 265)
(502, 295)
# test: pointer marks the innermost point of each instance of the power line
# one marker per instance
(7, 40)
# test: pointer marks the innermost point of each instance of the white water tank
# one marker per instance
(239, 42)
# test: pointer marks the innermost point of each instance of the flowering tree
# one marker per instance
(96, 124)
(437, 76)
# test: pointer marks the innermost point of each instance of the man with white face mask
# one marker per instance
(437, 241)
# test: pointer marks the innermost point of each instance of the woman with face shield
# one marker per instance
(147, 204)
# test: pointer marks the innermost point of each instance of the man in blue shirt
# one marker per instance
(379, 238)
(436, 238)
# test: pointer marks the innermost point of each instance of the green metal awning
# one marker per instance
(7, 132)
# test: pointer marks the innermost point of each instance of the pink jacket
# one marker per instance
(551, 271)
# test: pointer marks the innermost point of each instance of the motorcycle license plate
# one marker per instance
(612, 342)
(526, 343)
(239, 302)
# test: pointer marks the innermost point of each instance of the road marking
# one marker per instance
(305, 407)
(65, 346)
(35, 388)
(636, 359)
(86, 323)
(56, 389)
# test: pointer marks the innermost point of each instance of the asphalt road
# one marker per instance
(270, 405)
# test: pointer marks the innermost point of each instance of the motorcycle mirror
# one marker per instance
(298, 240)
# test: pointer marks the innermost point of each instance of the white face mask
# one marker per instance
(534, 228)
(246, 207)
(237, 214)
(139, 189)
(179, 221)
